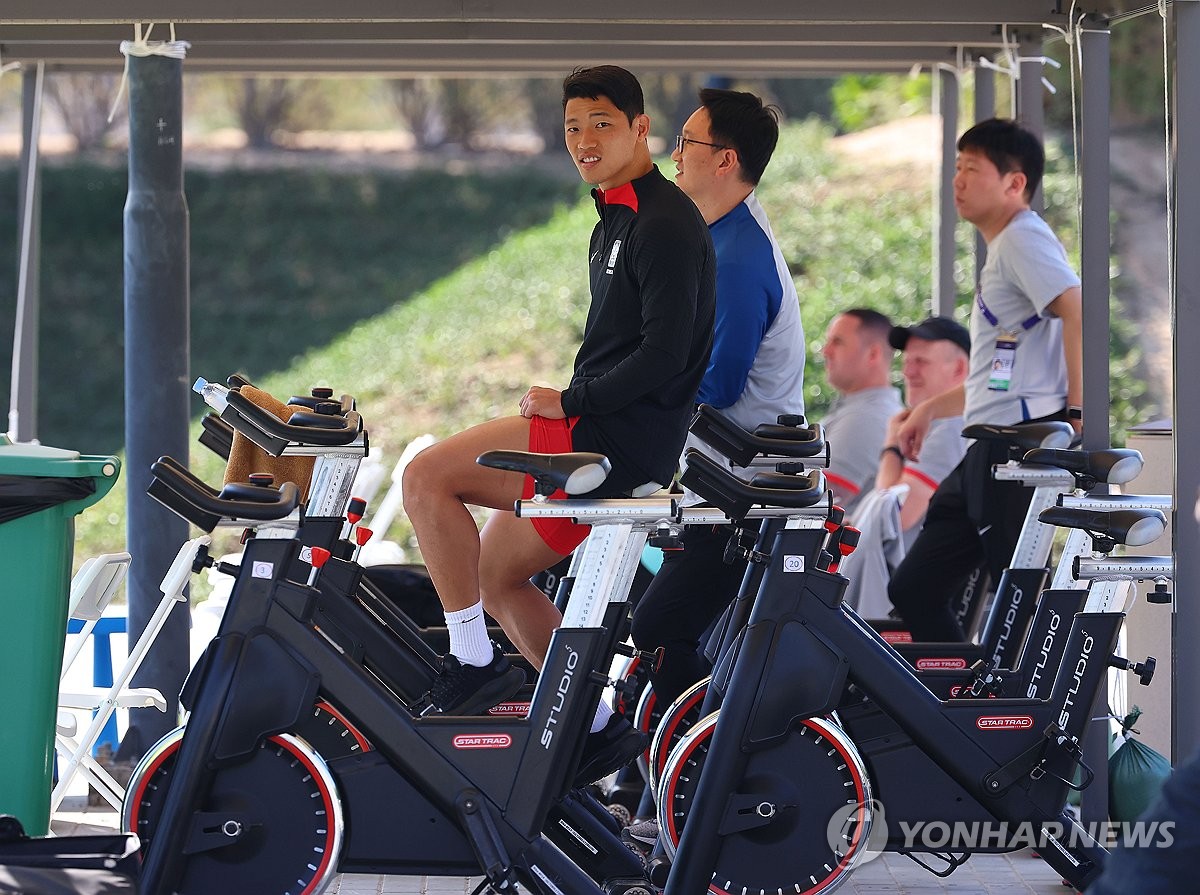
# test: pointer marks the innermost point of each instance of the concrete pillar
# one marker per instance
(1094, 233)
(157, 395)
(945, 217)
(1030, 112)
(1185, 288)
(985, 108)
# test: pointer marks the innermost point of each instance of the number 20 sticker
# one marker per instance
(793, 563)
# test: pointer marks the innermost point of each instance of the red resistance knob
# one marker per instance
(850, 538)
(362, 534)
(356, 510)
(320, 556)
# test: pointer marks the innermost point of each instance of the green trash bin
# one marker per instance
(42, 489)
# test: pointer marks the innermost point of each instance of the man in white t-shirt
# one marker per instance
(1026, 365)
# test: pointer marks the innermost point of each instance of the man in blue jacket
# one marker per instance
(755, 371)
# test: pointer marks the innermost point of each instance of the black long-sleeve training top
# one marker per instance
(648, 333)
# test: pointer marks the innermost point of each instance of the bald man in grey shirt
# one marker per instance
(858, 365)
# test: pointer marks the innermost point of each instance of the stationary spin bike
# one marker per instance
(1023, 632)
(752, 791)
(237, 801)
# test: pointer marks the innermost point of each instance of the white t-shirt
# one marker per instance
(760, 372)
(1026, 270)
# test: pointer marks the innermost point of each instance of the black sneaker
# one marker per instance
(466, 689)
(609, 749)
(641, 836)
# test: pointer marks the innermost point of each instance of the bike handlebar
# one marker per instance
(724, 435)
(729, 493)
(273, 434)
(179, 490)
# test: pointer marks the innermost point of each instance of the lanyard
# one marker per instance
(1027, 324)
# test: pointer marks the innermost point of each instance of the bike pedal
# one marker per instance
(628, 887)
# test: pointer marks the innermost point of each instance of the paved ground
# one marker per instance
(1015, 874)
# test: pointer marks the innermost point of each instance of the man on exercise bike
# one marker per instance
(755, 372)
(1026, 365)
(644, 351)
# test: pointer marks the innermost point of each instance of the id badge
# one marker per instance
(1002, 365)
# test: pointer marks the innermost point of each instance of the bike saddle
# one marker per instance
(1053, 434)
(576, 473)
(1116, 466)
(1132, 527)
(772, 439)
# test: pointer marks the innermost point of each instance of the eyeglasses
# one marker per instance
(680, 139)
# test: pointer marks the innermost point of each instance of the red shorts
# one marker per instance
(548, 436)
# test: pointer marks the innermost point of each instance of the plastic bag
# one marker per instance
(1136, 774)
(1075, 796)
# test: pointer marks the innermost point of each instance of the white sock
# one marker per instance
(603, 713)
(469, 641)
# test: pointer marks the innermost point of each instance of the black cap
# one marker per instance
(932, 329)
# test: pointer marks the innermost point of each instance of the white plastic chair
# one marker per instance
(76, 752)
(92, 588)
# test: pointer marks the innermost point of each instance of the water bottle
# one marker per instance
(214, 394)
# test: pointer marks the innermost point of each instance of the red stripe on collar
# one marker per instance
(624, 194)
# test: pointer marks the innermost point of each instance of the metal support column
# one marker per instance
(1094, 266)
(945, 89)
(157, 397)
(985, 108)
(23, 394)
(1185, 287)
(1094, 233)
(1030, 111)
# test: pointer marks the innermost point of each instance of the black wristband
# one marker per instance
(892, 449)
(1074, 413)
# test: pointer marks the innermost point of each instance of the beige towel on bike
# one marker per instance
(246, 457)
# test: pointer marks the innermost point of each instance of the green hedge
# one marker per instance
(438, 299)
(282, 262)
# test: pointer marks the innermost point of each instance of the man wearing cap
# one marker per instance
(936, 356)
